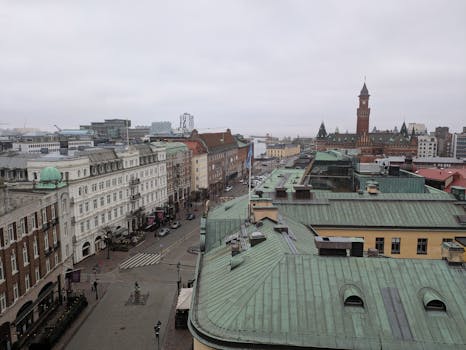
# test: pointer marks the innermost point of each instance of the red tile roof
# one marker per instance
(218, 139)
(436, 174)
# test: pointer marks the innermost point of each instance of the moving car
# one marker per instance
(190, 216)
(228, 188)
(163, 231)
(175, 224)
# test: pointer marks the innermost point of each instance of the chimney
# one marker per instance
(302, 192)
(280, 192)
(372, 187)
(452, 252)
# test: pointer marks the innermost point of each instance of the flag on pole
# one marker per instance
(249, 157)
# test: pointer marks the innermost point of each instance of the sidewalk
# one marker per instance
(91, 268)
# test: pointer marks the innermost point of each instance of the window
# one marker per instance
(447, 240)
(88, 225)
(25, 254)
(15, 292)
(114, 196)
(2, 302)
(22, 226)
(81, 226)
(96, 221)
(11, 233)
(54, 235)
(396, 245)
(44, 216)
(422, 246)
(47, 265)
(46, 241)
(53, 211)
(36, 247)
(120, 194)
(109, 216)
(14, 266)
(102, 217)
(95, 203)
(379, 244)
(2, 274)
(102, 201)
(56, 259)
(86, 205)
(33, 221)
(37, 271)
(80, 208)
(108, 199)
(115, 212)
(27, 282)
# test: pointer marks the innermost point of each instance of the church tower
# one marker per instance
(362, 126)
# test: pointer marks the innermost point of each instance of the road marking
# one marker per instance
(140, 259)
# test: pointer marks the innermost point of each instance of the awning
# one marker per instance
(184, 299)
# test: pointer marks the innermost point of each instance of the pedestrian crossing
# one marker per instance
(140, 259)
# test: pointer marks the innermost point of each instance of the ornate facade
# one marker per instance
(370, 144)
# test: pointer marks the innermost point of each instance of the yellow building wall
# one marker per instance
(408, 240)
(199, 346)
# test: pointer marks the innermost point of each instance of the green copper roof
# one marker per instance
(273, 297)
(50, 178)
(404, 210)
(172, 147)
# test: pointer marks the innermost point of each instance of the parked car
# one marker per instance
(175, 224)
(228, 188)
(190, 216)
(163, 231)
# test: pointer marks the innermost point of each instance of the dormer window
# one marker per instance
(352, 296)
(432, 300)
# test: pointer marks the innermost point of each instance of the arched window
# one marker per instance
(86, 249)
(432, 300)
(352, 296)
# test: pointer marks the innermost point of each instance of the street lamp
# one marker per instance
(157, 333)
(108, 241)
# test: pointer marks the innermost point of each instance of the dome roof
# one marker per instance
(50, 174)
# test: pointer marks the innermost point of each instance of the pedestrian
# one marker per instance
(92, 287)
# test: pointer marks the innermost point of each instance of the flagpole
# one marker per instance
(249, 163)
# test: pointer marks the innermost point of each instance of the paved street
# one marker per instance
(113, 321)
(114, 325)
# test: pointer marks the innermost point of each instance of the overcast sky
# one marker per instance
(281, 67)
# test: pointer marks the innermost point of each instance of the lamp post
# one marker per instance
(108, 241)
(157, 333)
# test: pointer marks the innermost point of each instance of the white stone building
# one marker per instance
(109, 189)
(426, 146)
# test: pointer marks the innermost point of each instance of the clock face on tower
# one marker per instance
(363, 102)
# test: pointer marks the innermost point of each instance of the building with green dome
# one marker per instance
(50, 179)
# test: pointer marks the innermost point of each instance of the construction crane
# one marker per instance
(59, 129)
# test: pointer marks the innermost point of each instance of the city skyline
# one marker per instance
(276, 67)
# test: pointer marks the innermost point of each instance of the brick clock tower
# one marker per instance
(362, 126)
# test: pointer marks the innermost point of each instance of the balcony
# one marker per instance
(134, 182)
(54, 221)
(135, 197)
(45, 226)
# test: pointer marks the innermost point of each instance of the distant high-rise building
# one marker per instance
(110, 129)
(419, 129)
(459, 144)
(426, 146)
(161, 128)
(444, 140)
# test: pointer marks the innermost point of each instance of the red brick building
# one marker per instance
(370, 144)
(30, 261)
